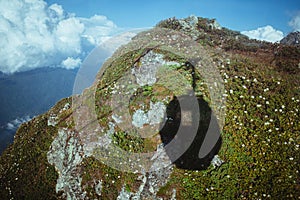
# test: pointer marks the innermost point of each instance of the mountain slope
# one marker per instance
(114, 141)
(292, 39)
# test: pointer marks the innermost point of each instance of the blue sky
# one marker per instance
(234, 14)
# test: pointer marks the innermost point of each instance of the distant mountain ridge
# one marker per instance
(30, 93)
(292, 39)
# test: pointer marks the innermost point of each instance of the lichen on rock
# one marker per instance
(216, 161)
(66, 154)
(98, 188)
(52, 120)
(153, 116)
(152, 181)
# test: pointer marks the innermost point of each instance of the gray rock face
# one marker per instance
(152, 181)
(189, 25)
(65, 154)
(146, 74)
(153, 116)
(292, 39)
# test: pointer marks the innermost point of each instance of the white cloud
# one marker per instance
(71, 63)
(267, 33)
(34, 35)
(295, 22)
(98, 29)
(14, 124)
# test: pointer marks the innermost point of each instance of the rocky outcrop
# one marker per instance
(292, 39)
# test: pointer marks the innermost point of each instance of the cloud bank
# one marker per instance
(295, 22)
(34, 34)
(267, 33)
(14, 124)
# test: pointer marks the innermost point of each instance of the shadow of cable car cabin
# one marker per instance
(183, 119)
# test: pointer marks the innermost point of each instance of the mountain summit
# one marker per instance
(292, 39)
(186, 110)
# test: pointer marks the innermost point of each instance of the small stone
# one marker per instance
(216, 161)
